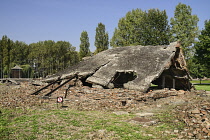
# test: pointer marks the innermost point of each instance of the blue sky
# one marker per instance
(31, 21)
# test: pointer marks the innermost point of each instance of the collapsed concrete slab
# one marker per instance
(132, 67)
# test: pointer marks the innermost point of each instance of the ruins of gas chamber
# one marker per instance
(130, 67)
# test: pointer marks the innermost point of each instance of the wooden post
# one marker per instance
(174, 83)
(163, 82)
(189, 86)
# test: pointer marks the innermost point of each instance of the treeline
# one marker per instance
(37, 59)
(138, 27)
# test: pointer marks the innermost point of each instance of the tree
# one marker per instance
(6, 47)
(184, 27)
(129, 30)
(53, 57)
(19, 53)
(156, 28)
(202, 48)
(142, 28)
(84, 45)
(101, 38)
(196, 69)
(1, 60)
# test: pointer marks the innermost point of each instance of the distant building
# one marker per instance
(17, 72)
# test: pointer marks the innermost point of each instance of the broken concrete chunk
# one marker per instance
(144, 114)
(195, 111)
(97, 86)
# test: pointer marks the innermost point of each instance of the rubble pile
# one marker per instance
(83, 98)
(87, 98)
(17, 96)
(196, 115)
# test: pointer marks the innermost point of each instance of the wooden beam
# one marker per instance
(37, 92)
(48, 94)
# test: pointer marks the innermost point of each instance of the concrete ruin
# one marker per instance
(132, 67)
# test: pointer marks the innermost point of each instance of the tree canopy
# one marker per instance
(101, 38)
(142, 28)
(202, 47)
(84, 45)
(184, 27)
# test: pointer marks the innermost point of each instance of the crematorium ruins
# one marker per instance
(131, 67)
(122, 75)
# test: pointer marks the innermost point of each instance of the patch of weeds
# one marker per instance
(26, 136)
(115, 124)
(101, 122)
(76, 136)
(64, 132)
(5, 118)
(164, 117)
(50, 136)
(60, 128)
(123, 116)
(127, 131)
(25, 125)
(168, 123)
(49, 127)
(162, 127)
(169, 120)
(75, 123)
(77, 113)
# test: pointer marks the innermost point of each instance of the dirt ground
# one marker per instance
(192, 108)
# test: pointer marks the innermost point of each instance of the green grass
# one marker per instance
(73, 124)
(202, 81)
(202, 87)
